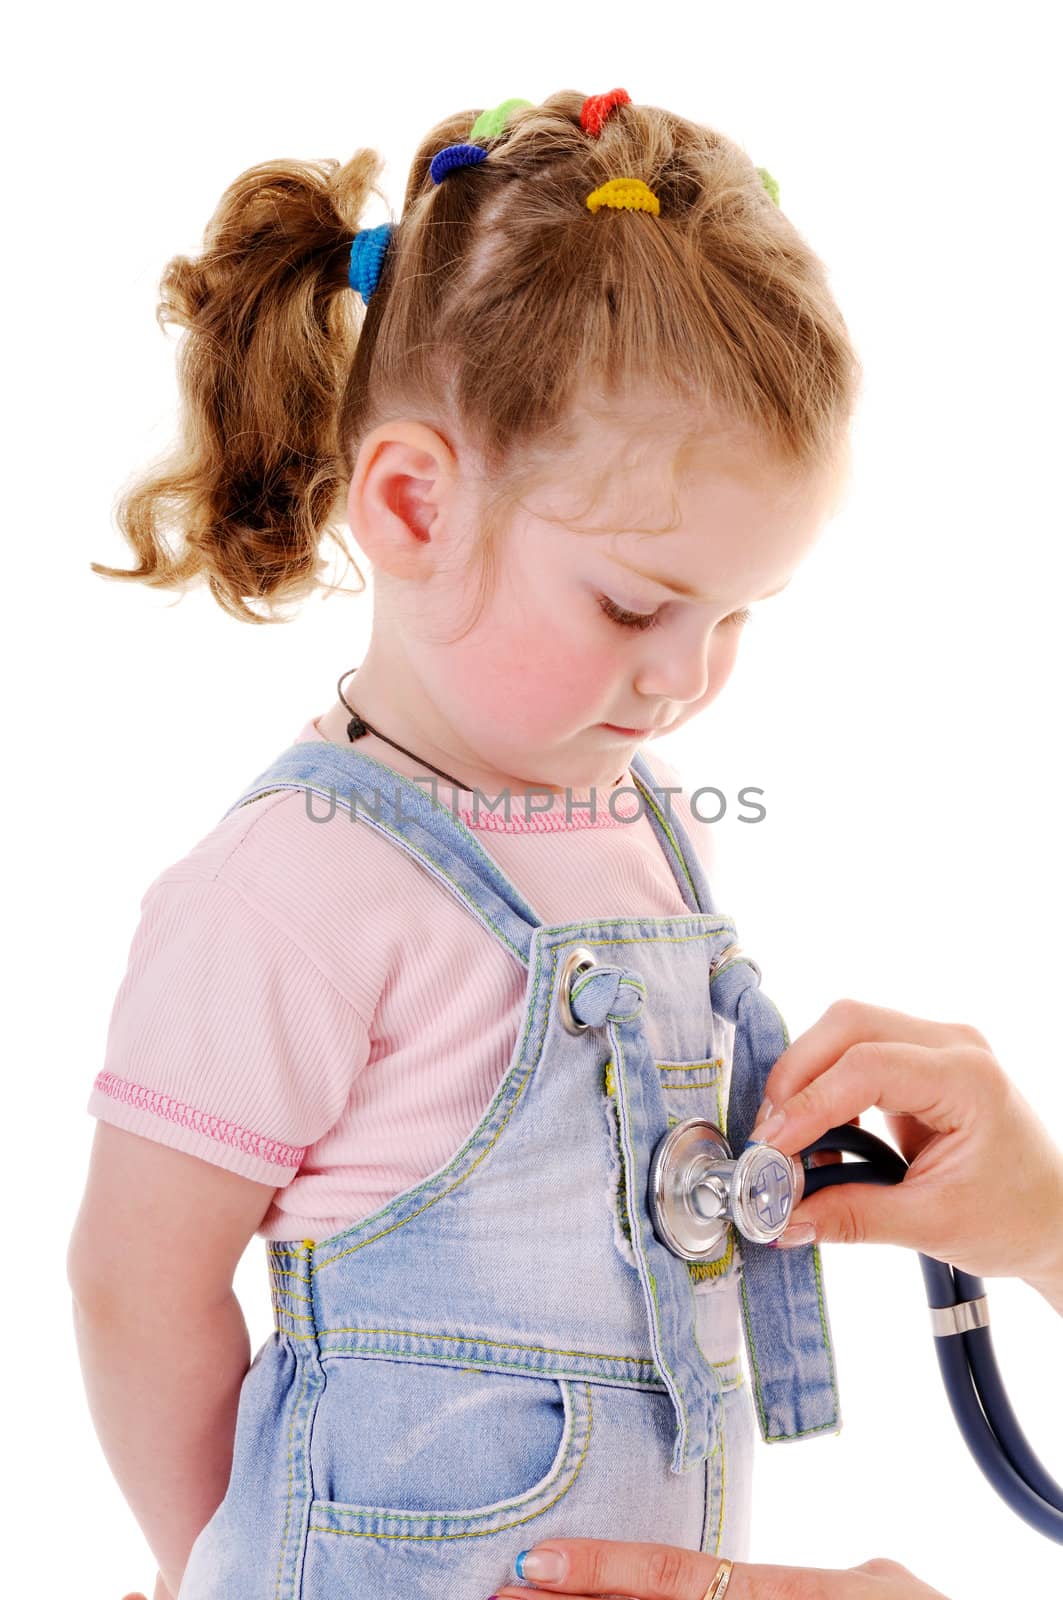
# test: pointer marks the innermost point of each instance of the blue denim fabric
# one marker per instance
(506, 1352)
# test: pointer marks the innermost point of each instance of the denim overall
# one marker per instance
(506, 1352)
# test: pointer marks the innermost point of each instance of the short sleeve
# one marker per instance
(225, 1040)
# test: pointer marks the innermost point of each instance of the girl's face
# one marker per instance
(589, 631)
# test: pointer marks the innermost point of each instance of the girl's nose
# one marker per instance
(669, 675)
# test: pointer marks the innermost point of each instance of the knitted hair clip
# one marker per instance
(597, 107)
(368, 249)
(624, 194)
(488, 125)
(369, 246)
(769, 183)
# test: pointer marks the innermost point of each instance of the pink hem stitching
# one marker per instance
(164, 1105)
(553, 821)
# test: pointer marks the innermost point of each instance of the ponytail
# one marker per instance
(258, 477)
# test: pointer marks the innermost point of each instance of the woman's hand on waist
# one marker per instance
(670, 1572)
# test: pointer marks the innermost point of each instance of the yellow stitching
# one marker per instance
(499, 1344)
(671, 836)
(619, 1051)
(291, 1448)
(688, 1066)
(477, 1533)
(700, 1270)
(723, 1477)
(500, 1366)
(375, 821)
(279, 1249)
(300, 1277)
(288, 1505)
(518, 1057)
(291, 1292)
(428, 1203)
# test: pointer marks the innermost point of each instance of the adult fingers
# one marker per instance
(850, 1022)
(643, 1571)
(945, 1087)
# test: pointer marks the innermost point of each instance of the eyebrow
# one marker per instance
(678, 587)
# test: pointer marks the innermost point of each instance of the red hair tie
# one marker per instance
(597, 107)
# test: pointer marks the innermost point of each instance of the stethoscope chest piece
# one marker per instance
(696, 1188)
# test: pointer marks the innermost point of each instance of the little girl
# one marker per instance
(422, 1005)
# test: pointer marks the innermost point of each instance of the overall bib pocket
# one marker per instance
(689, 1089)
(416, 1449)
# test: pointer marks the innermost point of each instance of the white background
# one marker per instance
(898, 704)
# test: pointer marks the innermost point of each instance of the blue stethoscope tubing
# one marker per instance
(968, 1364)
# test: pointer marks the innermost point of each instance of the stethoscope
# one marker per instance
(697, 1188)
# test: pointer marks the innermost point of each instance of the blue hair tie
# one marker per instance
(455, 155)
(368, 249)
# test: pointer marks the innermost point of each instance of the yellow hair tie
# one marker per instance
(628, 194)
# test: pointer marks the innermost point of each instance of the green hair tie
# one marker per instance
(489, 124)
(769, 183)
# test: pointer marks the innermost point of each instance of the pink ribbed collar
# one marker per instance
(612, 810)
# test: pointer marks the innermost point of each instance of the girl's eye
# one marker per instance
(627, 619)
(650, 619)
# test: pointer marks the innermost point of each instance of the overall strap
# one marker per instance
(376, 796)
(675, 841)
(784, 1307)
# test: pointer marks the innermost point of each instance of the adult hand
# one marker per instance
(160, 1592)
(668, 1572)
(984, 1186)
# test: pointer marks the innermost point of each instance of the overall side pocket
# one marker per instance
(408, 1449)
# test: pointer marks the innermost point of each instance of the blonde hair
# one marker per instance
(501, 298)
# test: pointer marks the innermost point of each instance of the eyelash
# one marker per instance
(641, 621)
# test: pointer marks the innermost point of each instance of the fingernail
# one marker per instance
(768, 1128)
(800, 1233)
(549, 1565)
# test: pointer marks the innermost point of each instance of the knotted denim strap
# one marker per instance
(613, 997)
(606, 993)
(784, 1308)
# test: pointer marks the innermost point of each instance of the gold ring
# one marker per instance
(718, 1587)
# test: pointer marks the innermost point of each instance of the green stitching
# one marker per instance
(723, 1474)
(680, 857)
(700, 1270)
(304, 1381)
(279, 1248)
(687, 1066)
(472, 1533)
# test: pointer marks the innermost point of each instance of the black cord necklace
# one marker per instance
(357, 728)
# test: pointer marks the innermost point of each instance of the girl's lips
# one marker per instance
(629, 733)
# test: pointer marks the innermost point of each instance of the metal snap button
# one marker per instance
(578, 960)
(729, 954)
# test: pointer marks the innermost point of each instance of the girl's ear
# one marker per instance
(404, 480)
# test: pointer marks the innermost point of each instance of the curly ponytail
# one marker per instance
(258, 477)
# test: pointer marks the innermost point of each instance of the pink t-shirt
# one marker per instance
(305, 1005)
